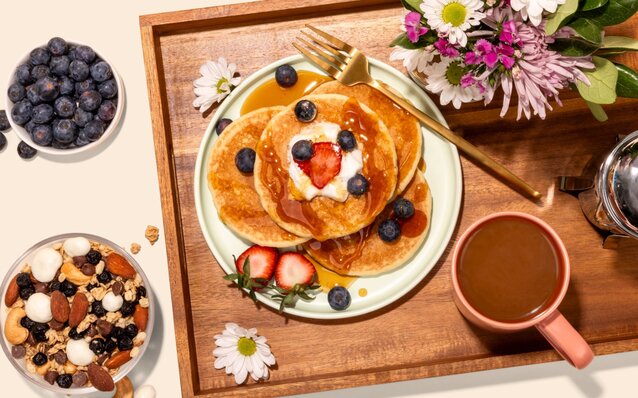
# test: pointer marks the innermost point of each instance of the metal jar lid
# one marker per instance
(618, 184)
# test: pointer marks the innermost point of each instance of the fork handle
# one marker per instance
(471, 152)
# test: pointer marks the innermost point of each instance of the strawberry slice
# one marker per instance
(324, 164)
(262, 261)
(294, 269)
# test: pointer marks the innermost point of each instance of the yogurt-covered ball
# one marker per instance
(111, 302)
(45, 264)
(77, 246)
(38, 308)
(146, 391)
(79, 353)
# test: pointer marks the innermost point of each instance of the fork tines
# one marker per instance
(330, 54)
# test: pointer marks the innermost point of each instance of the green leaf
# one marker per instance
(620, 42)
(598, 111)
(588, 30)
(574, 47)
(627, 85)
(589, 5)
(412, 5)
(612, 13)
(559, 18)
(602, 89)
(403, 41)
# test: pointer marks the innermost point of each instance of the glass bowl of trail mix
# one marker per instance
(77, 314)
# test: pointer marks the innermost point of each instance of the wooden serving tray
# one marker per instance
(423, 334)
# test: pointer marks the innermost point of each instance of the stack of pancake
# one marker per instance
(341, 236)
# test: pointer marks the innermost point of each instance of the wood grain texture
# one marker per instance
(423, 334)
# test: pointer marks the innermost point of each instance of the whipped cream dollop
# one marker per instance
(351, 164)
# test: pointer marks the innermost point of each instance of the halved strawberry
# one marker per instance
(324, 164)
(255, 268)
(295, 276)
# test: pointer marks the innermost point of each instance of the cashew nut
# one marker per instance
(42, 370)
(124, 388)
(74, 275)
(69, 368)
(13, 331)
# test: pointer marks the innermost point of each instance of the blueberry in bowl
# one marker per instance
(64, 97)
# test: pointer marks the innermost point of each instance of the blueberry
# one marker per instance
(59, 65)
(30, 126)
(21, 112)
(358, 185)
(64, 380)
(72, 52)
(25, 151)
(4, 121)
(39, 71)
(346, 140)
(33, 96)
(39, 359)
(26, 292)
(75, 335)
(42, 113)
(40, 327)
(125, 343)
(23, 74)
(85, 53)
(403, 208)
(16, 92)
(64, 107)
(245, 160)
(98, 309)
(141, 292)
(78, 70)
(106, 111)
(68, 288)
(131, 330)
(23, 280)
(302, 150)
(117, 333)
(82, 117)
(306, 111)
(105, 277)
(128, 308)
(60, 145)
(101, 71)
(83, 86)
(110, 346)
(90, 100)
(57, 46)
(94, 130)
(54, 285)
(221, 125)
(97, 346)
(65, 131)
(40, 337)
(108, 89)
(389, 230)
(47, 88)
(81, 139)
(286, 75)
(42, 135)
(66, 85)
(93, 257)
(27, 323)
(339, 298)
(3, 141)
(39, 56)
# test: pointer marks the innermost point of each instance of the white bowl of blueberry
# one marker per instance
(63, 98)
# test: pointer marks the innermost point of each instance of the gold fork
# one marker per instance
(350, 67)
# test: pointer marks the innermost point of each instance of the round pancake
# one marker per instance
(324, 218)
(364, 253)
(403, 127)
(234, 195)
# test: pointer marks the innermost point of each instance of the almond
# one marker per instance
(118, 359)
(140, 317)
(118, 265)
(100, 378)
(79, 309)
(60, 306)
(12, 293)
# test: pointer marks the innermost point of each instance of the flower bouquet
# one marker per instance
(469, 50)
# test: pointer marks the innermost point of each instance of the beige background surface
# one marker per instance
(115, 194)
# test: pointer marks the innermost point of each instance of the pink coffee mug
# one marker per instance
(551, 323)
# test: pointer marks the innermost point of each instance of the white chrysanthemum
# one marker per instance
(444, 78)
(215, 84)
(533, 9)
(451, 18)
(417, 59)
(242, 352)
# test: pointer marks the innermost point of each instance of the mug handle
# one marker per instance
(566, 340)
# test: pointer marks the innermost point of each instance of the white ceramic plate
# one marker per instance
(443, 174)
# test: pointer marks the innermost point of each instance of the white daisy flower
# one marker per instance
(242, 352)
(215, 84)
(444, 78)
(533, 9)
(417, 59)
(451, 18)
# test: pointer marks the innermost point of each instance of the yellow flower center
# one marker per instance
(220, 82)
(246, 346)
(454, 14)
(454, 73)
